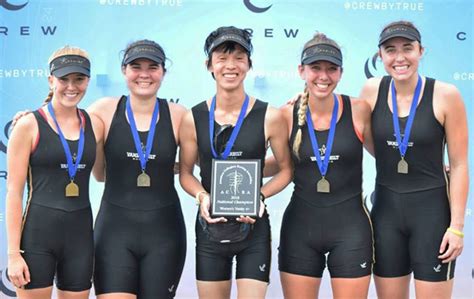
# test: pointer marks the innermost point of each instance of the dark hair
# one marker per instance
(230, 45)
(144, 42)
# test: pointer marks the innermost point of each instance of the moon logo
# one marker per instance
(9, 6)
(3, 147)
(368, 74)
(254, 8)
(3, 285)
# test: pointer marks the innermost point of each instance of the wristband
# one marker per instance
(262, 197)
(456, 232)
(10, 252)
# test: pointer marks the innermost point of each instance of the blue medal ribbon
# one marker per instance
(71, 165)
(235, 130)
(323, 165)
(143, 156)
(403, 143)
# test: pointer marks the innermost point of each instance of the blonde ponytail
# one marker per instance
(49, 97)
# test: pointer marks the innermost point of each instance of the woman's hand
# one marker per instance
(18, 272)
(205, 206)
(18, 116)
(451, 247)
(250, 220)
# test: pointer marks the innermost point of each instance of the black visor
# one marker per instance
(68, 64)
(231, 34)
(404, 31)
(324, 52)
(144, 51)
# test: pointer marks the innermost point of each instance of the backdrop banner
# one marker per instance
(30, 30)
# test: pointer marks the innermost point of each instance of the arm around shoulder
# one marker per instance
(103, 108)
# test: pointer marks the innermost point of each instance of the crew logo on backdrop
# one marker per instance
(371, 63)
(284, 34)
(10, 6)
(256, 9)
(4, 283)
(6, 131)
(461, 36)
(385, 5)
(274, 32)
(23, 73)
(24, 29)
(463, 76)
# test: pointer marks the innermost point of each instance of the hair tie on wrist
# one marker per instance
(456, 232)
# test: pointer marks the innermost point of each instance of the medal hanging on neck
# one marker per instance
(143, 179)
(72, 189)
(235, 131)
(402, 166)
(323, 185)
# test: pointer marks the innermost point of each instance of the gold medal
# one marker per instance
(143, 180)
(323, 185)
(72, 189)
(402, 166)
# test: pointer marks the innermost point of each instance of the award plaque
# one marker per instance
(235, 188)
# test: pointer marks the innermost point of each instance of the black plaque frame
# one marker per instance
(235, 187)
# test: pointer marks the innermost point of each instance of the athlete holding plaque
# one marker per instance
(326, 214)
(140, 237)
(418, 214)
(231, 126)
(54, 149)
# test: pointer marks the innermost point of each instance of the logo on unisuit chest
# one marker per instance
(79, 167)
(394, 143)
(134, 155)
(235, 154)
(322, 152)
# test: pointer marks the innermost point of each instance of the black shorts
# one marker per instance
(253, 255)
(139, 252)
(409, 228)
(343, 231)
(58, 244)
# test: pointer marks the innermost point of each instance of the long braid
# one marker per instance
(318, 38)
(302, 107)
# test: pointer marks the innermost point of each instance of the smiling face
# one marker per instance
(143, 77)
(401, 57)
(321, 77)
(69, 90)
(229, 67)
